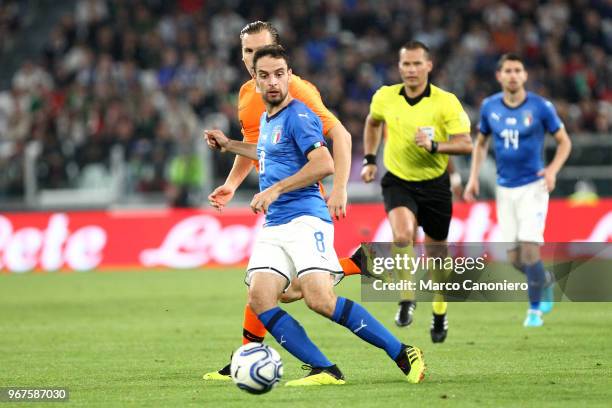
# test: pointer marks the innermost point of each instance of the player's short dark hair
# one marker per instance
(508, 57)
(259, 26)
(415, 45)
(274, 51)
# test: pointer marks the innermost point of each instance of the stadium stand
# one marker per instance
(148, 75)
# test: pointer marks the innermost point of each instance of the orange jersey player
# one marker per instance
(250, 108)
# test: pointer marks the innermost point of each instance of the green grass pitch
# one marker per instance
(145, 338)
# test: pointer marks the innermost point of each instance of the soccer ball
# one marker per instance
(256, 368)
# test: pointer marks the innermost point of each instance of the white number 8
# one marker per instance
(262, 165)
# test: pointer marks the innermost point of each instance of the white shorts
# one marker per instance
(302, 246)
(521, 212)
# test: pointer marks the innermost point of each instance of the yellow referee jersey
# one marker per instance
(439, 111)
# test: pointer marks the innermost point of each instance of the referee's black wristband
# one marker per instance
(369, 159)
(434, 147)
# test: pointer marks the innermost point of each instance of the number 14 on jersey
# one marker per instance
(511, 137)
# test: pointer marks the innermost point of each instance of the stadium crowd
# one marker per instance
(11, 22)
(149, 75)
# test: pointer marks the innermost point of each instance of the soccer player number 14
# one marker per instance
(511, 137)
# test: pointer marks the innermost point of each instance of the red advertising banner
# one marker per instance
(88, 240)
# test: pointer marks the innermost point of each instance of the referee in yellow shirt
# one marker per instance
(424, 125)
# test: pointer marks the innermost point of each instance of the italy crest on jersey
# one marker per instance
(527, 118)
(276, 134)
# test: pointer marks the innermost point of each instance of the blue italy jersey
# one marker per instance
(285, 139)
(518, 136)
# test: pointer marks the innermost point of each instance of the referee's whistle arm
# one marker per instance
(458, 144)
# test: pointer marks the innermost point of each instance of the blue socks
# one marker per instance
(536, 278)
(357, 319)
(292, 336)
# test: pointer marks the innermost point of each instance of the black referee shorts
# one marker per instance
(431, 201)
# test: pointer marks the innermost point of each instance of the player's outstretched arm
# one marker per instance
(222, 195)
(218, 141)
(472, 189)
(564, 147)
(320, 165)
(336, 202)
(372, 135)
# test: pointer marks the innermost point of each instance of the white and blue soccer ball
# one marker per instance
(256, 368)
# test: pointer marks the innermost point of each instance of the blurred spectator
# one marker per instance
(186, 174)
(31, 78)
(584, 194)
(11, 21)
(169, 67)
(90, 12)
(225, 25)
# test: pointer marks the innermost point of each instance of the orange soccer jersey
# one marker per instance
(251, 106)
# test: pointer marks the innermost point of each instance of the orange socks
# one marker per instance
(252, 329)
(349, 267)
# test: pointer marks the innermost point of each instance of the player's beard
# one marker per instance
(513, 88)
(275, 100)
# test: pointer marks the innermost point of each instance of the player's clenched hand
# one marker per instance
(336, 203)
(221, 196)
(422, 140)
(261, 201)
(368, 172)
(472, 189)
(550, 177)
(216, 139)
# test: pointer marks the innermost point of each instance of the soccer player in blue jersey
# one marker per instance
(297, 239)
(518, 121)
